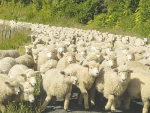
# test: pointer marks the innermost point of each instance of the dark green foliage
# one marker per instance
(124, 14)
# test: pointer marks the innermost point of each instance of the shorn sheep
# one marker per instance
(58, 83)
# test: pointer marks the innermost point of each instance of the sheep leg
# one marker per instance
(80, 99)
(101, 96)
(113, 106)
(110, 101)
(146, 106)
(92, 96)
(2, 107)
(127, 102)
(54, 100)
(47, 100)
(66, 103)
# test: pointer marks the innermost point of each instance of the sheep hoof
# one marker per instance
(92, 104)
(86, 108)
(67, 110)
(106, 107)
(113, 110)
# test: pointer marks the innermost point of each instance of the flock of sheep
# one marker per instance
(116, 66)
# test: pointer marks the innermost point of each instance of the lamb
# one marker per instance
(140, 80)
(59, 85)
(68, 58)
(47, 54)
(86, 75)
(9, 53)
(25, 60)
(48, 65)
(113, 83)
(23, 74)
(8, 87)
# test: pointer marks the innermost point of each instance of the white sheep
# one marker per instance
(86, 75)
(67, 59)
(8, 87)
(58, 83)
(48, 65)
(9, 53)
(113, 83)
(23, 74)
(138, 88)
(26, 60)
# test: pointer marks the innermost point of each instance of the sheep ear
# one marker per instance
(25, 46)
(147, 65)
(21, 87)
(132, 71)
(115, 70)
(62, 72)
(37, 72)
(23, 75)
(81, 62)
(86, 66)
(51, 67)
(7, 83)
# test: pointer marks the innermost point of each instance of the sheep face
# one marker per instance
(13, 86)
(83, 52)
(130, 57)
(111, 62)
(70, 57)
(51, 54)
(28, 50)
(28, 95)
(70, 76)
(93, 68)
(35, 57)
(123, 73)
(31, 77)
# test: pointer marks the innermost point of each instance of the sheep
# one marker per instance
(140, 42)
(10, 60)
(5, 67)
(67, 59)
(8, 87)
(138, 65)
(138, 88)
(123, 58)
(47, 54)
(61, 48)
(113, 83)
(48, 65)
(59, 85)
(72, 48)
(23, 74)
(86, 75)
(9, 53)
(110, 60)
(26, 94)
(26, 60)
(82, 53)
(28, 50)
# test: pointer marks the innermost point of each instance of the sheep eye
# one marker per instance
(12, 86)
(26, 93)
(28, 77)
(53, 52)
(74, 56)
(68, 74)
(91, 68)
